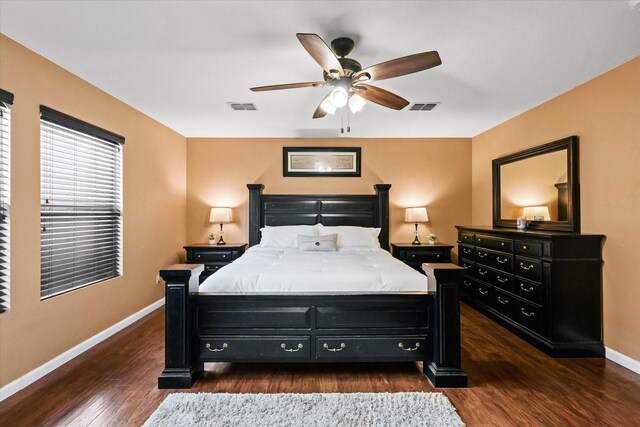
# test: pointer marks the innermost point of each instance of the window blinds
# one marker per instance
(80, 203)
(6, 99)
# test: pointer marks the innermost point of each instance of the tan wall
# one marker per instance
(605, 114)
(423, 172)
(34, 331)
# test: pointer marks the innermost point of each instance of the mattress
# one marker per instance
(268, 270)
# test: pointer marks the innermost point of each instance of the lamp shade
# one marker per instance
(220, 215)
(534, 213)
(416, 215)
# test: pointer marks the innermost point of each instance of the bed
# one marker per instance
(282, 305)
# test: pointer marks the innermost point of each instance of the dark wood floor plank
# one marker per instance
(510, 383)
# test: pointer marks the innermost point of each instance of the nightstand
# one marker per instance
(213, 256)
(415, 255)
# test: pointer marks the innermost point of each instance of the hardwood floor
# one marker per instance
(510, 383)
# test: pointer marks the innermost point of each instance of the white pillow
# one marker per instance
(285, 236)
(318, 243)
(349, 236)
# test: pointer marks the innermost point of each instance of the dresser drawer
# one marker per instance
(203, 256)
(426, 255)
(528, 315)
(528, 290)
(468, 286)
(377, 317)
(503, 303)
(483, 292)
(467, 252)
(470, 267)
(496, 243)
(499, 260)
(530, 248)
(371, 347)
(468, 238)
(494, 277)
(254, 317)
(528, 268)
(225, 348)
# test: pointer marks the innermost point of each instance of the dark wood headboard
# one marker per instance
(361, 210)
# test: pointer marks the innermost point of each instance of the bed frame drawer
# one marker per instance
(383, 317)
(225, 348)
(392, 348)
(254, 317)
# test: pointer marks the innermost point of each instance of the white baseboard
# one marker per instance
(622, 360)
(41, 371)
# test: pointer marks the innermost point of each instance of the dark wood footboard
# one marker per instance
(389, 327)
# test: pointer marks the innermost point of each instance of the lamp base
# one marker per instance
(221, 242)
(416, 241)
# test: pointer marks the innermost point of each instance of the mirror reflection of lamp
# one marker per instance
(536, 213)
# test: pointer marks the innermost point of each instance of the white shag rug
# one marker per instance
(305, 410)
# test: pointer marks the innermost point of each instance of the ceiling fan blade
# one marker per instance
(319, 51)
(402, 66)
(288, 86)
(381, 97)
(320, 112)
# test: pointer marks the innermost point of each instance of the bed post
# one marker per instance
(181, 366)
(445, 369)
(382, 213)
(255, 194)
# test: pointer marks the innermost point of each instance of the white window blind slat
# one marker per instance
(5, 190)
(81, 207)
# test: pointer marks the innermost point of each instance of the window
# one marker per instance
(6, 99)
(80, 203)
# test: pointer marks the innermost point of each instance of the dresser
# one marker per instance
(213, 257)
(545, 286)
(415, 255)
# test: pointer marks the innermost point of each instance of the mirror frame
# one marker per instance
(573, 205)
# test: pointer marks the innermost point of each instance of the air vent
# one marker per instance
(242, 106)
(423, 106)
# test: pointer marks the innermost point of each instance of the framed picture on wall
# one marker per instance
(321, 161)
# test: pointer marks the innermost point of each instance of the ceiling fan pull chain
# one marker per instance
(348, 121)
(342, 123)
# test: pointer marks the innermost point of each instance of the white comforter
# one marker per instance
(267, 270)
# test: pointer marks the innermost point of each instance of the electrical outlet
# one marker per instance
(158, 279)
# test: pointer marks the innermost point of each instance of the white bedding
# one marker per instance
(270, 270)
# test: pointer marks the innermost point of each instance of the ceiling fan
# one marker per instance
(348, 79)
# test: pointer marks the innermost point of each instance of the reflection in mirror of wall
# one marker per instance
(535, 188)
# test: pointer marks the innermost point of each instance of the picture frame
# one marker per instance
(321, 161)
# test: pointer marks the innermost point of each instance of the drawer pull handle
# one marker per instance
(291, 350)
(501, 301)
(467, 266)
(479, 240)
(531, 314)
(401, 345)
(482, 273)
(501, 243)
(525, 247)
(438, 256)
(199, 256)
(482, 291)
(501, 280)
(466, 251)
(466, 283)
(501, 261)
(522, 266)
(334, 349)
(483, 254)
(215, 350)
(529, 289)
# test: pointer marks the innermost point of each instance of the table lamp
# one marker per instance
(220, 216)
(416, 215)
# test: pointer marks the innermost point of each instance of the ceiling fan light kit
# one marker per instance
(347, 76)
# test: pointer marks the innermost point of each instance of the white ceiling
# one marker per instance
(180, 62)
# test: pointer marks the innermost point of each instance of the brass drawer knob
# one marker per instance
(525, 247)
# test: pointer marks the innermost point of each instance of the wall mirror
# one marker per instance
(540, 183)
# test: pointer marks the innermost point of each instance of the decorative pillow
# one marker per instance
(350, 236)
(285, 236)
(318, 243)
